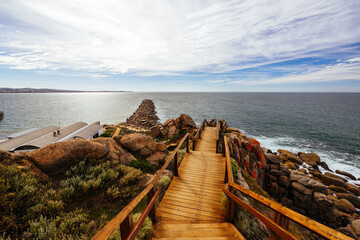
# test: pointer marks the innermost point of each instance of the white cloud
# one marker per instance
(345, 71)
(169, 37)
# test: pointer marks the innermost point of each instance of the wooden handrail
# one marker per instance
(123, 216)
(160, 172)
(312, 225)
(281, 232)
(230, 177)
(142, 218)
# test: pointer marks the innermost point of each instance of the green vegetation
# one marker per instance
(141, 164)
(108, 132)
(73, 207)
(235, 170)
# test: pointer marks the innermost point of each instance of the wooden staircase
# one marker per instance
(191, 207)
(216, 231)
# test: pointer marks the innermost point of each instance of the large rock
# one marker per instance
(329, 180)
(350, 197)
(1, 115)
(310, 158)
(272, 158)
(341, 206)
(116, 152)
(59, 157)
(187, 121)
(346, 174)
(356, 226)
(301, 200)
(352, 188)
(287, 155)
(138, 142)
(155, 131)
(335, 176)
(325, 205)
(157, 157)
(300, 188)
(348, 204)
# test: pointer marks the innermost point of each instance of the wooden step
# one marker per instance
(196, 231)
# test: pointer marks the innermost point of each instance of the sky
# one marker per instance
(181, 45)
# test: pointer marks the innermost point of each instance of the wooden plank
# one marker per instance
(196, 206)
(187, 209)
(194, 202)
(174, 213)
(191, 233)
(236, 232)
(165, 226)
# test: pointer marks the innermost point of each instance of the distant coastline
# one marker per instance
(47, 90)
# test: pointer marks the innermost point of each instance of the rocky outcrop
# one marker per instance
(184, 123)
(145, 115)
(115, 151)
(58, 157)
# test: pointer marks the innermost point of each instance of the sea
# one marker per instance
(325, 123)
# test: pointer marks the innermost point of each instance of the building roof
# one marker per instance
(18, 134)
(20, 140)
(85, 132)
(51, 138)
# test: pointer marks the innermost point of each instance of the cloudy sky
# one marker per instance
(181, 45)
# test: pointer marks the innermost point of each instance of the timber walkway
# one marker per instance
(191, 207)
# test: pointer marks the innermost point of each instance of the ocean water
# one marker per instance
(325, 123)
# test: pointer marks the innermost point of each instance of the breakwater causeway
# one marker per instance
(325, 123)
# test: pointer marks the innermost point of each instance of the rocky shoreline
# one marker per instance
(296, 181)
(299, 181)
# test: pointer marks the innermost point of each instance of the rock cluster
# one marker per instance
(298, 184)
(144, 146)
(145, 115)
(184, 123)
(295, 180)
(248, 153)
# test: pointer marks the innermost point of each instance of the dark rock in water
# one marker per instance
(329, 180)
(325, 166)
(346, 174)
(335, 176)
(145, 115)
(1, 115)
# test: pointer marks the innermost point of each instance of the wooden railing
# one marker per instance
(123, 218)
(281, 216)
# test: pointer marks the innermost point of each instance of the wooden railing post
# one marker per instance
(226, 180)
(176, 164)
(194, 144)
(230, 206)
(188, 144)
(126, 226)
(223, 152)
(152, 213)
(282, 221)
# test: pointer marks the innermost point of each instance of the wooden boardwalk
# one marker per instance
(191, 207)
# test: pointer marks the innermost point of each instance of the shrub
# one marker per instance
(69, 225)
(141, 164)
(91, 178)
